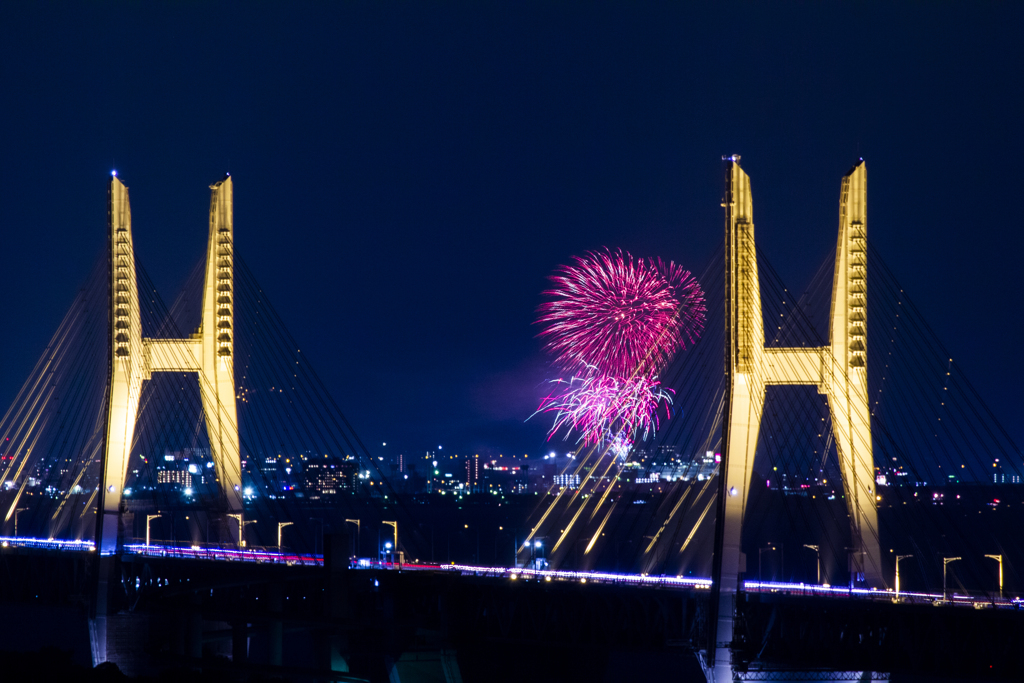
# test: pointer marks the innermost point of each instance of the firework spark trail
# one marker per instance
(565, 532)
(614, 323)
(600, 528)
(597, 406)
(588, 472)
(620, 314)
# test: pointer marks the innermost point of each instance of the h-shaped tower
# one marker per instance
(133, 359)
(839, 371)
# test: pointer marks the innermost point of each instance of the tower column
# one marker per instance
(847, 381)
(744, 361)
(839, 370)
(132, 360)
(217, 377)
(126, 360)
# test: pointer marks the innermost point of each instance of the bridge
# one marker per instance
(120, 358)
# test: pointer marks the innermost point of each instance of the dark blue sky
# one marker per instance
(407, 174)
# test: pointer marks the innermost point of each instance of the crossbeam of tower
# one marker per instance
(133, 359)
(838, 370)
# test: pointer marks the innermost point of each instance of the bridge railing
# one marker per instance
(47, 543)
(273, 555)
(221, 553)
(978, 601)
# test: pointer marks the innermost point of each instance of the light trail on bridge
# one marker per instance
(264, 556)
(47, 543)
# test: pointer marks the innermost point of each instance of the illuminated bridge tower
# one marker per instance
(208, 352)
(839, 370)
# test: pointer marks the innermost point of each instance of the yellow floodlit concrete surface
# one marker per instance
(839, 371)
(126, 362)
(209, 352)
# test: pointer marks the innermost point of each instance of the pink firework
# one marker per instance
(604, 409)
(618, 315)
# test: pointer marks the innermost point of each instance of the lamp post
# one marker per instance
(20, 510)
(997, 558)
(817, 554)
(150, 518)
(241, 527)
(280, 528)
(395, 525)
(358, 530)
(898, 558)
(945, 562)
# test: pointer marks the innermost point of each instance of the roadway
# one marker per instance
(273, 556)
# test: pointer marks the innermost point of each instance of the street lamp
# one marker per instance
(997, 558)
(945, 562)
(241, 527)
(395, 525)
(898, 558)
(149, 518)
(19, 510)
(356, 522)
(280, 528)
(817, 554)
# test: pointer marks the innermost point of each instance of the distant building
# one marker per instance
(504, 479)
(180, 477)
(567, 481)
(328, 477)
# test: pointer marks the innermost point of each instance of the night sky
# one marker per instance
(406, 175)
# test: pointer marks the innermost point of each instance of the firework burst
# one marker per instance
(615, 322)
(600, 408)
(620, 315)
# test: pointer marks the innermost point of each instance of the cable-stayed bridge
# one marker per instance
(842, 427)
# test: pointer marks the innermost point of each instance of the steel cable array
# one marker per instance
(930, 429)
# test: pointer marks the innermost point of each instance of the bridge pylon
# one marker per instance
(133, 359)
(839, 370)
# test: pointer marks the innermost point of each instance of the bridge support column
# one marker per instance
(240, 641)
(132, 360)
(839, 370)
(217, 371)
(276, 634)
(125, 364)
(846, 382)
(105, 569)
(194, 627)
